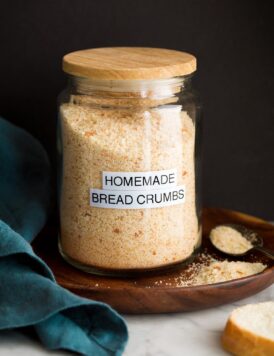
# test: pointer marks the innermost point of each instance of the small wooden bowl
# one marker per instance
(160, 293)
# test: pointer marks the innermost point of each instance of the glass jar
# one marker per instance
(129, 144)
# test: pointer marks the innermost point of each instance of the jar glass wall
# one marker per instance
(129, 174)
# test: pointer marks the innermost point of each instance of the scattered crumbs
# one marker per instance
(223, 271)
(208, 270)
(96, 285)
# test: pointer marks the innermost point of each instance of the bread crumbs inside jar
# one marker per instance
(130, 157)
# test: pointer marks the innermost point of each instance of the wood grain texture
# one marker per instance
(140, 295)
(127, 63)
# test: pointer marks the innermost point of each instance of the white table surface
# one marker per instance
(190, 334)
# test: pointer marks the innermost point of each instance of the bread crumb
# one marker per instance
(210, 271)
(223, 271)
(229, 240)
(99, 138)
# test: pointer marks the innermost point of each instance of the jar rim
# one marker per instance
(84, 84)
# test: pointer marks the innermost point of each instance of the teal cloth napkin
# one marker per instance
(29, 295)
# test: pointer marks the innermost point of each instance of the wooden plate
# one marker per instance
(147, 294)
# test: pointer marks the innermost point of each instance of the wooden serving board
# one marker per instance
(147, 294)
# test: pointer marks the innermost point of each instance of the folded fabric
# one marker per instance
(29, 295)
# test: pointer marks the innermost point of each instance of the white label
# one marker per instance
(138, 190)
(141, 199)
(139, 180)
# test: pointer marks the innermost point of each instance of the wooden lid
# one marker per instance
(123, 63)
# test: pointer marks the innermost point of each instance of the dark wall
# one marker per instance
(232, 39)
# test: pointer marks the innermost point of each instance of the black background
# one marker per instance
(233, 41)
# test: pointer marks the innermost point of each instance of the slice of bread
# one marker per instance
(250, 330)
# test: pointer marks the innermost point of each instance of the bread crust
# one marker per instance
(242, 342)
